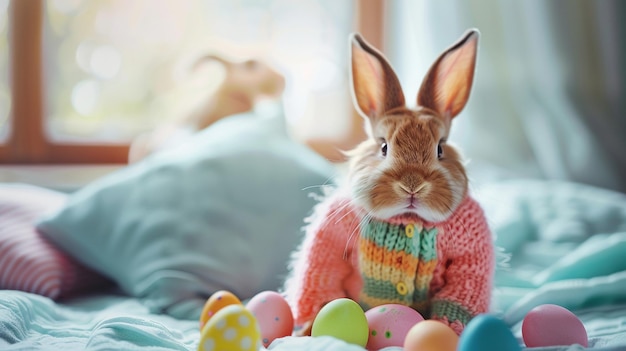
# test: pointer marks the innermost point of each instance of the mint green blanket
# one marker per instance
(103, 322)
(562, 243)
(566, 243)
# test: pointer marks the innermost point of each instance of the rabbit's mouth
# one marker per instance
(412, 202)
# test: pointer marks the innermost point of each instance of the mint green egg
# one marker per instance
(343, 319)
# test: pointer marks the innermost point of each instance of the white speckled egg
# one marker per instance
(233, 327)
(389, 325)
(273, 314)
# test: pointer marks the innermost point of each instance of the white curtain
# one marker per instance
(549, 92)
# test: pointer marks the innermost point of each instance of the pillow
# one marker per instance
(224, 210)
(28, 262)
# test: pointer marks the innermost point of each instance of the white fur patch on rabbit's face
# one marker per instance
(409, 177)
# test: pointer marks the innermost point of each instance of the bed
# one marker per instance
(126, 262)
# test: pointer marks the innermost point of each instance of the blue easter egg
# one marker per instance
(487, 333)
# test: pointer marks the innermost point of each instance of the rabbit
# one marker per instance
(402, 228)
(245, 83)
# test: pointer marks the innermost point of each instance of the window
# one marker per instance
(88, 76)
(5, 98)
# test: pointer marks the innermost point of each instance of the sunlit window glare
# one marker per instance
(113, 67)
(85, 96)
(102, 61)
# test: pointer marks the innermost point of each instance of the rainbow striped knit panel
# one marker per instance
(397, 262)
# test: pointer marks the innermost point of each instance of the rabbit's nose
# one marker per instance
(413, 186)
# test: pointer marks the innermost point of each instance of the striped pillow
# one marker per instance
(28, 262)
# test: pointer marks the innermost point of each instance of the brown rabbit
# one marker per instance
(403, 228)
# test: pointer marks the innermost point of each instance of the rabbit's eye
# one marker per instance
(383, 148)
(439, 151)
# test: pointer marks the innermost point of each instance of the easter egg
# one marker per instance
(389, 325)
(487, 333)
(343, 319)
(552, 325)
(273, 314)
(431, 335)
(231, 328)
(217, 301)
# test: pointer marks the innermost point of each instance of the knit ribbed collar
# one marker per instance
(412, 218)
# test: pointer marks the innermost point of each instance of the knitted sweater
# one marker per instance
(443, 270)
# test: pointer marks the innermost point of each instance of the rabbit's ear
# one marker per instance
(446, 87)
(375, 86)
(227, 64)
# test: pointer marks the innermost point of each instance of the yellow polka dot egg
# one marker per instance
(232, 328)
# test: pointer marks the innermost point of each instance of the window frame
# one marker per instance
(27, 142)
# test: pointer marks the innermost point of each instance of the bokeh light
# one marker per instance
(105, 62)
(85, 97)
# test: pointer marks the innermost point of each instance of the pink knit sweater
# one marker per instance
(444, 270)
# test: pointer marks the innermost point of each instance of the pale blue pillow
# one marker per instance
(222, 211)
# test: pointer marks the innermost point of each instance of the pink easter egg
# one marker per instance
(273, 314)
(552, 325)
(389, 324)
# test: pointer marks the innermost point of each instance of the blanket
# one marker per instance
(561, 243)
(566, 244)
(117, 322)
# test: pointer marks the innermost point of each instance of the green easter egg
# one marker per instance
(343, 319)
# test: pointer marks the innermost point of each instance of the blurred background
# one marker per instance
(548, 98)
(81, 79)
